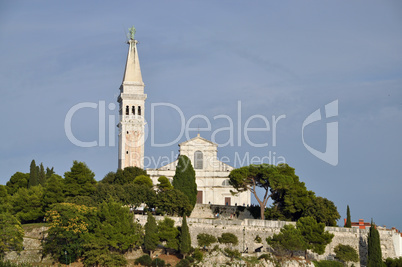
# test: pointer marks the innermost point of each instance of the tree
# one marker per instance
(143, 180)
(53, 190)
(314, 234)
(5, 205)
(205, 240)
(80, 180)
(69, 226)
(168, 233)
(41, 175)
(289, 239)
(228, 238)
(17, 181)
(185, 239)
(151, 238)
(12, 234)
(322, 210)
(348, 219)
(114, 235)
(346, 253)
(184, 179)
(374, 247)
(33, 174)
(173, 202)
(49, 172)
(28, 204)
(164, 184)
(268, 177)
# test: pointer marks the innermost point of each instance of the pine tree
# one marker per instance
(151, 237)
(374, 247)
(80, 181)
(41, 175)
(348, 220)
(185, 239)
(33, 175)
(184, 179)
(49, 172)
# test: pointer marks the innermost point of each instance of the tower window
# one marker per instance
(198, 160)
(133, 110)
(127, 110)
(127, 132)
(139, 110)
(126, 152)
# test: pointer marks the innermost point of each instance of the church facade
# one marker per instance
(211, 174)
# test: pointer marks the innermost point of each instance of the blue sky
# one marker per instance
(286, 58)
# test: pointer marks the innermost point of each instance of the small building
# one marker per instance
(360, 224)
(211, 174)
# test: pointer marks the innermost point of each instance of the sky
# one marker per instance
(314, 84)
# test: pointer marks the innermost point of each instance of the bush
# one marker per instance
(158, 262)
(265, 257)
(183, 263)
(346, 253)
(389, 262)
(144, 260)
(258, 239)
(327, 263)
(198, 255)
(12, 264)
(205, 240)
(228, 238)
(232, 253)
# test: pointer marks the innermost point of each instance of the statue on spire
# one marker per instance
(132, 33)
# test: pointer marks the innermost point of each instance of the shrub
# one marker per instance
(228, 238)
(327, 263)
(389, 262)
(158, 262)
(183, 263)
(258, 239)
(144, 260)
(346, 253)
(198, 255)
(232, 253)
(205, 240)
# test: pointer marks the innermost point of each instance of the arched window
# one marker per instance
(127, 110)
(133, 110)
(198, 160)
(226, 182)
(139, 110)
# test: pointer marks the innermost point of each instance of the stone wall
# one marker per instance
(247, 230)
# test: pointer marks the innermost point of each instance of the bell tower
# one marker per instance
(131, 110)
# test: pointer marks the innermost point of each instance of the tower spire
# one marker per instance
(132, 73)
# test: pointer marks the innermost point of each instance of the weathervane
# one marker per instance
(132, 33)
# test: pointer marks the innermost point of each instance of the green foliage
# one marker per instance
(289, 239)
(348, 218)
(184, 179)
(327, 263)
(198, 255)
(173, 202)
(12, 264)
(144, 260)
(184, 263)
(158, 262)
(232, 253)
(28, 204)
(205, 240)
(79, 181)
(69, 225)
(389, 262)
(5, 205)
(346, 253)
(258, 239)
(143, 180)
(185, 239)
(17, 181)
(41, 175)
(12, 234)
(53, 190)
(374, 257)
(314, 234)
(123, 177)
(168, 233)
(151, 238)
(228, 238)
(98, 256)
(270, 178)
(49, 172)
(164, 184)
(323, 211)
(33, 175)
(81, 200)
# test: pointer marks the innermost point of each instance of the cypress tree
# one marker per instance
(184, 179)
(151, 234)
(374, 258)
(41, 175)
(33, 174)
(348, 220)
(185, 239)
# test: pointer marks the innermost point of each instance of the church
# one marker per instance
(211, 174)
